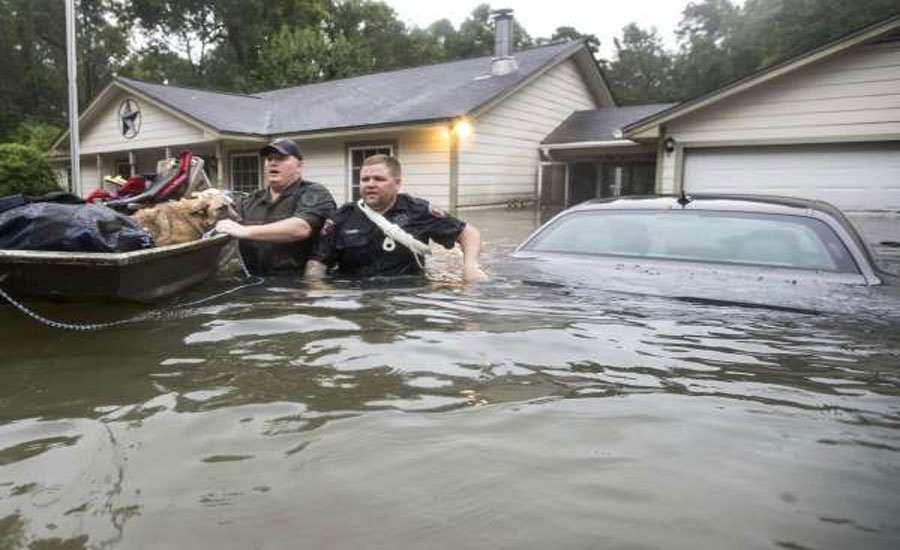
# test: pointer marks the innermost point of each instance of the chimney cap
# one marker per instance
(502, 13)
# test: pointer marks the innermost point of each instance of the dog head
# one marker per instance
(187, 219)
(212, 205)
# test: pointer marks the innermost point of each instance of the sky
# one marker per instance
(603, 18)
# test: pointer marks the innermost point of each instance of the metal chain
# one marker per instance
(253, 281)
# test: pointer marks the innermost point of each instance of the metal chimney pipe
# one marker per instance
(503, 61)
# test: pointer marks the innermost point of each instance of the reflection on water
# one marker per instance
(415, 415)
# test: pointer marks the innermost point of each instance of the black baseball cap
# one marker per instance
(283, 146)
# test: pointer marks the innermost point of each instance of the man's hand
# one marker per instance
(231, 227)
(472, 273)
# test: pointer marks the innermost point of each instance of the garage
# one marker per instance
(857, 177)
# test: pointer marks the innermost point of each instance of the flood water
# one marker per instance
(410, 415)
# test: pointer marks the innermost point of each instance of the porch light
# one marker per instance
(463, 129)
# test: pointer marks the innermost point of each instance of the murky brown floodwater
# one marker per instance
(427, 417)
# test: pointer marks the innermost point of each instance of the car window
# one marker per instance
(725, 237)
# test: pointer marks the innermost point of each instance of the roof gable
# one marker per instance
(649, 126)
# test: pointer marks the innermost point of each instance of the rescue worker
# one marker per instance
(281, 221)
(352, 244)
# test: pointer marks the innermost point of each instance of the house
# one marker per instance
(467, 132)
(823, 125)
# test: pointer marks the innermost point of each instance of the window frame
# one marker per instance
(391, 146)
(231, 178)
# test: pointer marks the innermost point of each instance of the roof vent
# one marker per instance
(503, 61)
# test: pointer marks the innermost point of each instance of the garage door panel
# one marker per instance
(855, 177)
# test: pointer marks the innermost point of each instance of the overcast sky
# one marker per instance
(603, 18)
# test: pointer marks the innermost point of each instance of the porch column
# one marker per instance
(566, 187)
(220, 164)
(454, 171)
(132, 163)
(99, 170)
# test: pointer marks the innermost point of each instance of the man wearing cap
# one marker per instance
(281, 221)
(386, 233)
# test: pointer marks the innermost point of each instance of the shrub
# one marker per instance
(25, 170)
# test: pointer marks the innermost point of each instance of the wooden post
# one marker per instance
(100, 169)
(454, 171)
(220, 164)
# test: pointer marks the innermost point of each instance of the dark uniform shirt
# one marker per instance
(352, 244)
(309, 201)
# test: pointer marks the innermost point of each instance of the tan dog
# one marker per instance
(185, 220)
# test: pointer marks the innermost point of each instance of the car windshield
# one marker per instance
(723, 237)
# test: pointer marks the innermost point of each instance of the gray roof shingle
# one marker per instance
(600, 124)
(431, 92)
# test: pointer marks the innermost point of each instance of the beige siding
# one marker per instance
(855, 96)
(499, 160)
(423, 152)
(159, 128)
(90, 179)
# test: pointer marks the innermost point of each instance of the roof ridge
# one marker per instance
(183, 87)
(557, 43)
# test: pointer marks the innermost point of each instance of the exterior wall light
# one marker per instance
(463, 129)
(669, 144)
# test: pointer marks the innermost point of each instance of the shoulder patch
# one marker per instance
(327, 228)
(436, 212)
(310, 198)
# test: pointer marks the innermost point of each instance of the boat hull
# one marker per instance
(143, 275)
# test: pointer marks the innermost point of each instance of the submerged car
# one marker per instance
(743, 249)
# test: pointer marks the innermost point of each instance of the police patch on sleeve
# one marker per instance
(309, 199)
(327, 228)
(436, 212)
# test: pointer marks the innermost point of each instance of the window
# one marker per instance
(245, 172)
(357, 156)
(123, 168)
(721, 237)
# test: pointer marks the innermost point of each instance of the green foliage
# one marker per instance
(26, 170)
(721, 42)
(642, 70)
(37, 135)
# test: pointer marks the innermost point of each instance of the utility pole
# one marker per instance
(71, 55)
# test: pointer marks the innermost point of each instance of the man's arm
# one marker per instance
(469, 240)
(282, 231)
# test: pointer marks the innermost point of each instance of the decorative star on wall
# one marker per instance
(129, 118)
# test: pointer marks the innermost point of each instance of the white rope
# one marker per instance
(393, 233)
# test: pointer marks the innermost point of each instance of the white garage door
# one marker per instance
(855, 177)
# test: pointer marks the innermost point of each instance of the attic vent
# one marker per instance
(503, 61)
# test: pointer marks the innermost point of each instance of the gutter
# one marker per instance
(589, 144)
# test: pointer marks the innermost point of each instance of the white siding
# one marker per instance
(858, 177)
(424, 154)
(854, 96)
(499, 160)
(159, 128)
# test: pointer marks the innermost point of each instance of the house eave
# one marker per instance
(650, 126)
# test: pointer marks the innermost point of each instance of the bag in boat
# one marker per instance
(70, 228)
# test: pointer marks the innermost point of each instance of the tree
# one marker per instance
(641, 71)
(706, 60)
(570, 33)
(25, 170)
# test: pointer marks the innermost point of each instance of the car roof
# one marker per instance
(763, 204)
